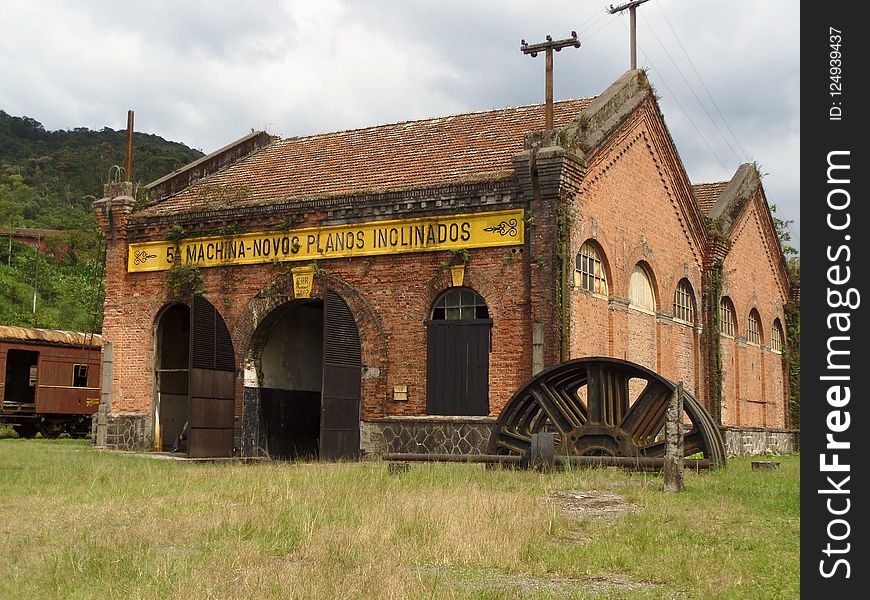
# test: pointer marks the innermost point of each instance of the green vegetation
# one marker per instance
(68, 296)
(48, 180)
(81, 523)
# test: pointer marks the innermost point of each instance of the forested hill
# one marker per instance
(48, 180)
(65, 168)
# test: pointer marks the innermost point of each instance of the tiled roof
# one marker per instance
(707, 193)
(414, 154)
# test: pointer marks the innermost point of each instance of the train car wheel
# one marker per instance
(50, 429)
(24, 431)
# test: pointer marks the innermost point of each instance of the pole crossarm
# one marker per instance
(613, 10)
(548, 47)
(632, 12)
(557, 45)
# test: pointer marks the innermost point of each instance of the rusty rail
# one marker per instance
(629, 462)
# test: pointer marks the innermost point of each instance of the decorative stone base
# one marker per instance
(752, 441)
(426, 434)
(122, 431)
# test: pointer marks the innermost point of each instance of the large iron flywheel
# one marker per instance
(602, 406)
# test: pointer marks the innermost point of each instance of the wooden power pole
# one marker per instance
(548, 47)
(632, 7)
(128, 159)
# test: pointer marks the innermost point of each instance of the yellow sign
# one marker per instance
(477, 230)
(303, 278)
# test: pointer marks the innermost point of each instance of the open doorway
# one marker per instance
(292, 380)
(21, 376)
(172, 376)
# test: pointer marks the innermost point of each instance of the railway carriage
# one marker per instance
(51, 380)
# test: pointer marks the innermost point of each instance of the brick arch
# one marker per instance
(762, 331)
(650, 270)
(679, 273)
(442, 282)
(605, 260)
(777, 324)
(742, 313)
(373, 339)
(734, 317)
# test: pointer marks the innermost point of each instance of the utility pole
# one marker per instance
(36, 280)
(128, 161)
(548, 47)
(631, 6)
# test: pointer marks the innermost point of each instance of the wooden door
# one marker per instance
(212, 383)
(457, 370)
(340, 399)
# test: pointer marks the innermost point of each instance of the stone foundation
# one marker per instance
(122, 431)
(426, 434)
(753, 441)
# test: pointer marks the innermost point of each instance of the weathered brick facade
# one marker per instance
(609, 173)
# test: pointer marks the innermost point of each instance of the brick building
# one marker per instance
(389, 288)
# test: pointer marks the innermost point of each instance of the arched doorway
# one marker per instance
(292, 379)
(457, 354)
(171, 375)
(307, 357)
(195, 380)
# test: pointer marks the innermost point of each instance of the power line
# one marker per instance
(686, 113)
(701, 80)
(604, 26)
(596, 18)
(691, 89)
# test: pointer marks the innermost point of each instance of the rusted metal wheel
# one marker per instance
(601, 406)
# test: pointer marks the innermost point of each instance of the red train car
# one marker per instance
(51, 380)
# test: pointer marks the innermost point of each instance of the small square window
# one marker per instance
(80, 375)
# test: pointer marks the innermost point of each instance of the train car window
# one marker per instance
(32, 378)
(80, 375)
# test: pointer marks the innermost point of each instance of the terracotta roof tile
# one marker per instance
(707, 194)
(413, 154)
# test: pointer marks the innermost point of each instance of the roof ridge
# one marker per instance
(423, 120)
(710, 183)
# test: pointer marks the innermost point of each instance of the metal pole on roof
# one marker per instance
(128, 161)
(548, 48)
(632, 7)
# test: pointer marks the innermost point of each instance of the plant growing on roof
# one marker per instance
(185, 280)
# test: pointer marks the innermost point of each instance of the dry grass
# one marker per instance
(78, 523)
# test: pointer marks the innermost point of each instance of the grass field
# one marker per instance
(80, 523)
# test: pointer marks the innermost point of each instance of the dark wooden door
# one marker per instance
(340, 401)
(212, 383)
(457, 369)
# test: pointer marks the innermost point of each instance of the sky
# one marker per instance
(206, 73)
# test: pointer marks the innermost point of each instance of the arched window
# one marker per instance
(776, 336)
(459, 303)
(589, 272)
(726, 316)
(753, 333)
(640, 290)
(684, 302)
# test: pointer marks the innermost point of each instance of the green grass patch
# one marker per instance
(81, 523)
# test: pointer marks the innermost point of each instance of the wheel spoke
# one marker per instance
(646, 417)
(551, 402)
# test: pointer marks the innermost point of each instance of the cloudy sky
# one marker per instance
(206, 72)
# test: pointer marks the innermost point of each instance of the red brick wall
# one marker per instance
(630, 203)
(390, 296)
(751, 280)
(730, 381)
